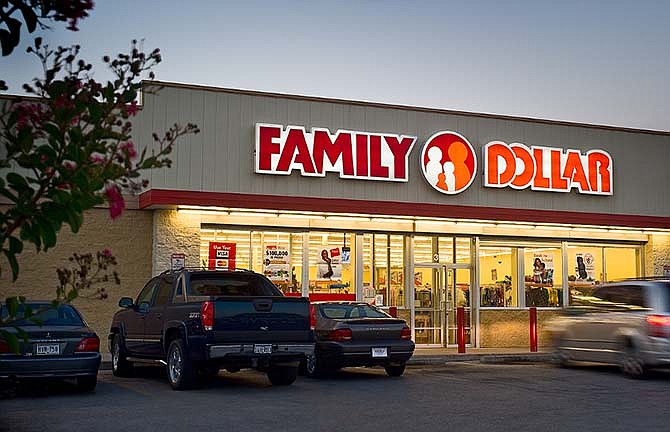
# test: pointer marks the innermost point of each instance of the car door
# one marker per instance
(153, 323)
(627, 317)
(134, 322)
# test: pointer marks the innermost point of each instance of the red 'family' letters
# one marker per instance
(357, 155)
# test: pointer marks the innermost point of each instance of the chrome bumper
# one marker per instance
(219, 351)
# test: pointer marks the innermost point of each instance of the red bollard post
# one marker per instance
(460, 324)
(393, 311)
(533, 329)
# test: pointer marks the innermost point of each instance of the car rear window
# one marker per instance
(231, 284)
(666, 294)
(345, 311)
(45, 314)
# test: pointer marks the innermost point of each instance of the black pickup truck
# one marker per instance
(197, 322)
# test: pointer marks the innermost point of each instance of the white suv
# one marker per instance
(625, 323)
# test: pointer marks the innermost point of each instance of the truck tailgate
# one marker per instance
(261, 320)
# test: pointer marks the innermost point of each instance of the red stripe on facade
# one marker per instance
(165, 197)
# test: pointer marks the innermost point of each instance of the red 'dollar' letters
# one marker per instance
(547, 168)
(351, 154)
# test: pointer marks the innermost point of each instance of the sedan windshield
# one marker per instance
(44, 314)
(344, 311)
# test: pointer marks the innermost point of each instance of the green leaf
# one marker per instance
(48, 233)
(12, 304)
(15, 245)
(17, 182)
(11, 339)
(13, 263)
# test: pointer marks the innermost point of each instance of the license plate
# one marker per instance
(262, 349)
(380, 352)
(48, 349)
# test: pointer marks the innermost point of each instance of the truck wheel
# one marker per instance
(180, 370)
(120, 366)
(87, 383)
(395, 370)
(282, 375)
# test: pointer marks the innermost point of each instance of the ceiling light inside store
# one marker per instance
(253, 214)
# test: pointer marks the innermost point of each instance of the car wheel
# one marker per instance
(282, 375)
(312, 368)
(87, 383)
(120, 366)
(560, 356)
(631, 363)
(180, 370)
(395, 370)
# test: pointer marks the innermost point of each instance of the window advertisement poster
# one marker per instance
(329, 266)
(543, 268)
(585, 270)
(222, 256)
(277, 263)
(346, 255)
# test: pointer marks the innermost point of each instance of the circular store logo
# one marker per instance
(448, 162)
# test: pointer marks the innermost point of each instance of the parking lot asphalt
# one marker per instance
(471, 396)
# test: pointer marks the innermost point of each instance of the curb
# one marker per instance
(439, 360)
(482, 358)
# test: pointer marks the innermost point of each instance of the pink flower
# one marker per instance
(129, 148)
(69, 165)
(97, 158)
(132, 109)
(116, 202)
(74, 121)
(107, 253)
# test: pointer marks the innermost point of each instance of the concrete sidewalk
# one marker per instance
(439, 356)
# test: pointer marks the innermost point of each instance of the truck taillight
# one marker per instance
(340, 335)
(405, 333)
(312, 316)
(207, 315)
(4, 347)
(88, 344)
(658, 325)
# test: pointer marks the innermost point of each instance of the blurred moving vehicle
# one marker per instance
(60, 345)
(625, 323)
(350, 333)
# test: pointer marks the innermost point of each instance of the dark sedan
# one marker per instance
(358, 334)
(60, 345)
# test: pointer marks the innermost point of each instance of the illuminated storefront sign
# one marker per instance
(354, 155)
(448, 160)
(547, 169)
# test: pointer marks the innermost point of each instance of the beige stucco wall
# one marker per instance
(511, 328)
(175, 232)
(657, 254)
(130, 240)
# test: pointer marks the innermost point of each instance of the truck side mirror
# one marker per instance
(125, 302)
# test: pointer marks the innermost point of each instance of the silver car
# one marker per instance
(625, 323)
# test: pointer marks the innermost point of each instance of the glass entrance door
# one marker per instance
(438, 291)
(429, 304)
(458, 295)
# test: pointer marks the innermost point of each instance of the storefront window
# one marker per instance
(585, 269)
(222, 249)
(543, 269)
(330, 263)
(278, 255)
(622, 263)
(463, 255)
(498, 276)
(389, 269)
(424, 249)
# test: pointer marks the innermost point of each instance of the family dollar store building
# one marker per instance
(420, 209)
